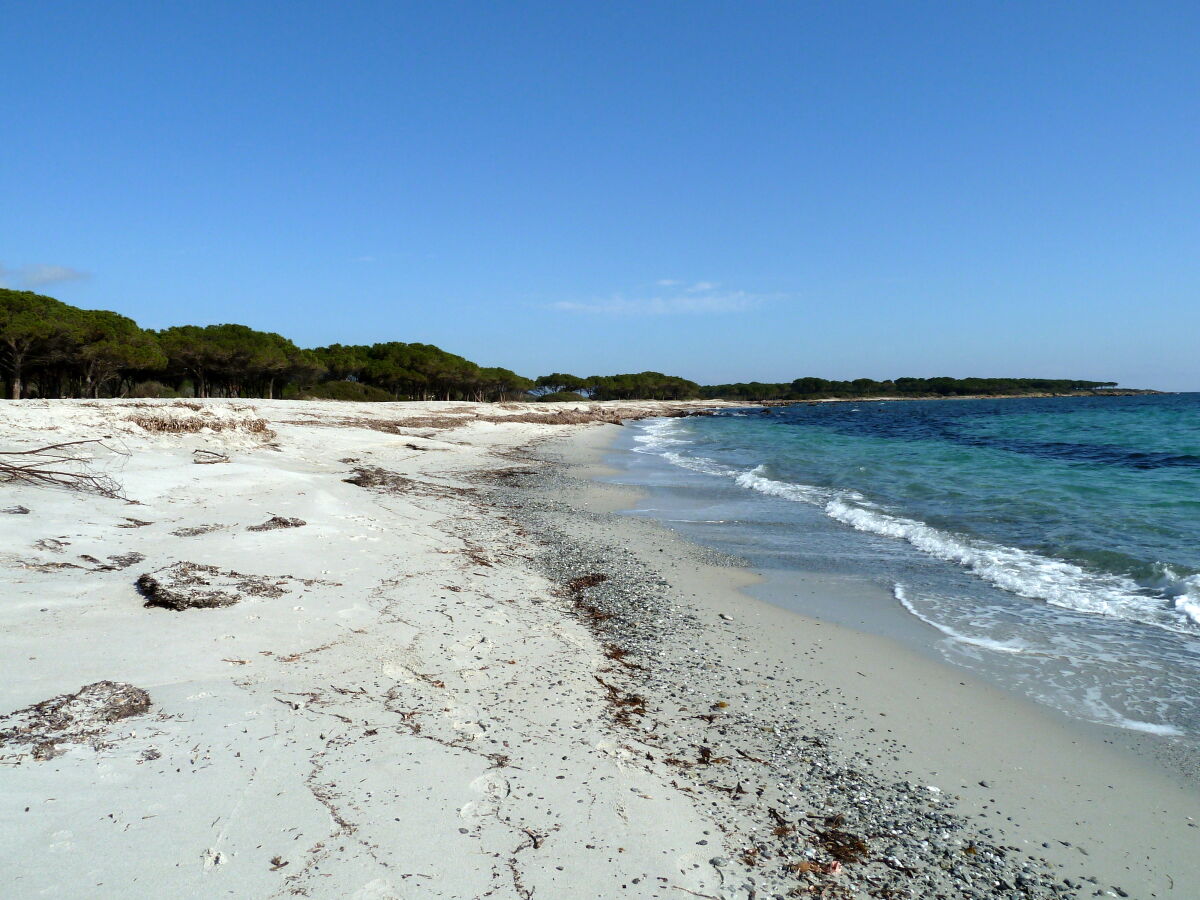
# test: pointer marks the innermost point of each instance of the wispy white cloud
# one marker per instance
(700, 298)
(39, 275)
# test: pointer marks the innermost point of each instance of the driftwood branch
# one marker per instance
(62, 466)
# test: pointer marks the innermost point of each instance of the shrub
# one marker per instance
(562, 397)
(152, 389)
(346, 390)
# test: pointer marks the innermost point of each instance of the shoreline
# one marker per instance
(856, 596)
(414, 694)
(1083, 789)
(1120, 392)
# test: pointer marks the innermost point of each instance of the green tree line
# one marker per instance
(52, 349)
(819, 388)
(633, 386)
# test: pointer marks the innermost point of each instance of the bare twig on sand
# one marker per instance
(60, 465)
(209, 457)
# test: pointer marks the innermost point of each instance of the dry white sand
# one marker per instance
(403, 720)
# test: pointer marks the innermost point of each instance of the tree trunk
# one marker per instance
(18, 357)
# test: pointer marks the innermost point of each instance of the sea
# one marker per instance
(1050, 544)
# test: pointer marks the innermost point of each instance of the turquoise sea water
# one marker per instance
(1053, 542)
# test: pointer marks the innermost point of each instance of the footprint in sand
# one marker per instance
(494, 787)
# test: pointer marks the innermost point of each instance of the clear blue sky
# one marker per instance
(726, 191)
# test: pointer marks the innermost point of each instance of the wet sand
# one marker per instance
(1090, 799)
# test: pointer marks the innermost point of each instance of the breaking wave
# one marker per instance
(1171, 602)
(1021, 572)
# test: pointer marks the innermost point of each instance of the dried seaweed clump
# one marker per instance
(145, 404)
(593, 616)
(623, 706)
(539, 415)
(576, 585)
(594, 415)
(82, 717)
(590, 416)
(276, 522)
(160, 423)
(841, 845)
(508, 476)
(194, 530)
(377, 479)
(187, 585)
(115, 563)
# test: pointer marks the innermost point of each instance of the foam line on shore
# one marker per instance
(1171, 602)
(986, 643)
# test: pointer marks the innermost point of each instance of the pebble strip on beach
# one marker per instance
(795, 812)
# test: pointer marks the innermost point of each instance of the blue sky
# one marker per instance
(726, 191)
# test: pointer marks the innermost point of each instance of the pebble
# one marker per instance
(821, 786)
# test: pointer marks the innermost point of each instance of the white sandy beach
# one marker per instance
(367, 729)
(402, 702)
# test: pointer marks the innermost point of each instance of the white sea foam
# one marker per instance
(1018, 571)
(1189, 606)
(1021, 572)
(698, 464)
(1148, 727)
(1099, 710)
(755, 480)
(1184, 592)
(985, 643)
(655, 434)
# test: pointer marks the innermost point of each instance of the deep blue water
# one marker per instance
(1054, 542)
